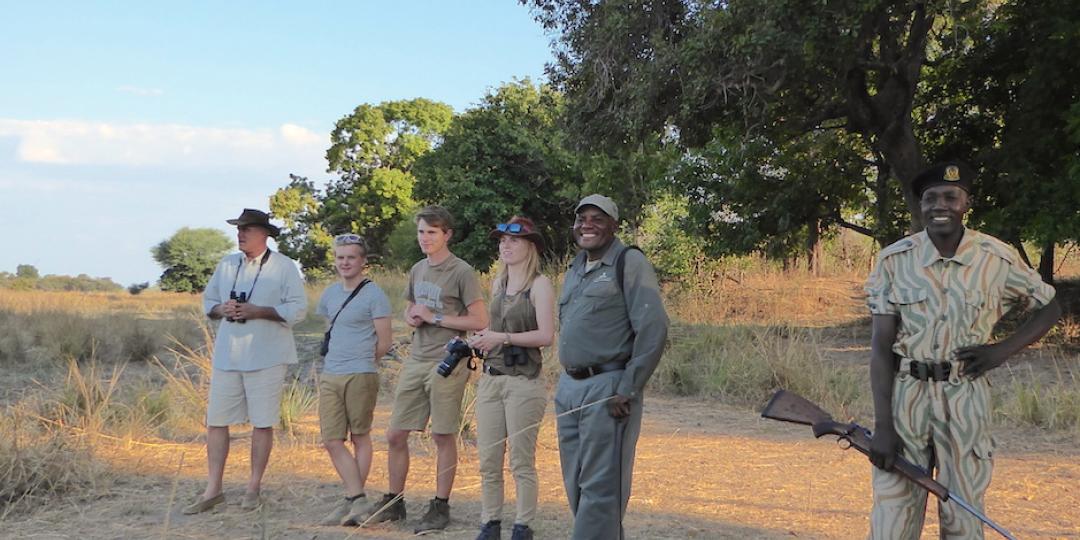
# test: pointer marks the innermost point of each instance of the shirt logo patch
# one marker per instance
(603, 277)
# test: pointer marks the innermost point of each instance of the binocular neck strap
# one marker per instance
(265, 257)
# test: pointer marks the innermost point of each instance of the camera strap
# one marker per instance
(345, 303)
(265, 257)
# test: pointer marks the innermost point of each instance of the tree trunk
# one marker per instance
(1046, 263)
(813, 247)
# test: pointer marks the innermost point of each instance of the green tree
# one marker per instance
(27, 271)
(503, 157)
(189, 257)
(774, 70)
(372, 153)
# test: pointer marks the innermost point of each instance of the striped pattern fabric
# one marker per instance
(943, 304)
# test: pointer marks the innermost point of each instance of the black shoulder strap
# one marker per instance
(620, 264)
(347, 300)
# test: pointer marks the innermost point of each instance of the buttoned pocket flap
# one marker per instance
(601, 289)
(984, 447)
(904, 296)
(974, 298)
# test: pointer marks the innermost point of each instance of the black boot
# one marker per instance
(491, 530)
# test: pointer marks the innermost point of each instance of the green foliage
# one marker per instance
(664, 236)
(402, 250)
(138, 288)
(26, 271)
(189, 257)
(29, 279)
(373, 151)
(505, 156)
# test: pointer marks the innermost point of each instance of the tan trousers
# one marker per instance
(509, 409)
(944, 426)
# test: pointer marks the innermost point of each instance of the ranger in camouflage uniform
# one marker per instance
(935, 297)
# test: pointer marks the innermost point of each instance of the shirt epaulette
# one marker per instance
(899, 246)
(1000, 249)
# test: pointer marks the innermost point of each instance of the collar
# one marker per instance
(965, 251)
(255, 259)
(609, 256)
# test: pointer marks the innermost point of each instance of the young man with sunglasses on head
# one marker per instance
(258, 295)
(359, 335)
(444, 301)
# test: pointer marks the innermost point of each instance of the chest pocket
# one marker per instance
(912, 304)
(602, 296)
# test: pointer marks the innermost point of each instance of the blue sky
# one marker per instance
(121, 122)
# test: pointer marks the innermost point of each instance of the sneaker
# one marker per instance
(491, 530)
(386, 509)
(521, 532)
(202, 505)
(337, 516)
(436, 518)
(356, 511)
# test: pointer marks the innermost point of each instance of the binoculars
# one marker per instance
(241, 298)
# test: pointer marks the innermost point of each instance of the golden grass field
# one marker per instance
(105, 440)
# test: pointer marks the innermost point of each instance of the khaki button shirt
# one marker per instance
(949, 303)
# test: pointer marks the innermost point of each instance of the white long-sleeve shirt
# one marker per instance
(257, 344)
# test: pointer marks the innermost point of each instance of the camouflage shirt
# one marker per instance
(948, 303)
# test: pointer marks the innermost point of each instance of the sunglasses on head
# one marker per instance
(512, 228)
(347, 239)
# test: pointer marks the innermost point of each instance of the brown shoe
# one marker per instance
(202, 505)
(250, 501)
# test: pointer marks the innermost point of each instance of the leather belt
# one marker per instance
(586, 372)
(930, 371)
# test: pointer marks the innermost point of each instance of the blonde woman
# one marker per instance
(511, 396)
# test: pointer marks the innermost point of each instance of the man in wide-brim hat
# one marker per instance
(258, 295)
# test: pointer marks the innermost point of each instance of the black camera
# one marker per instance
(457, 349)
(240, 298)
(514, 356)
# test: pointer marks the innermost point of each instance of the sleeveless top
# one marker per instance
(513, 313)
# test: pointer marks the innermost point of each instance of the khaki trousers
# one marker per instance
(509, 410)
(944, 426)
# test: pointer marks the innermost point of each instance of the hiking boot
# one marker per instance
(337, 515)
(521, 532)
(386, 509)
(436, 518)
(491, 530)
(356, 512)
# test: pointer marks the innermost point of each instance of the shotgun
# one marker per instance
(790, 407)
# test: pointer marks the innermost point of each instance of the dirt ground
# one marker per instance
(703, 471)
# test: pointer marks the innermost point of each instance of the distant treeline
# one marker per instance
(26, 277)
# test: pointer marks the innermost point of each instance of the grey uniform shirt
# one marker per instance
(353, 339)
(598, 324)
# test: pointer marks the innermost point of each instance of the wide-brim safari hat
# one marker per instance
(250, 216)
(521, 227)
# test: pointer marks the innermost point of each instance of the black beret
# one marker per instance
(949, 173)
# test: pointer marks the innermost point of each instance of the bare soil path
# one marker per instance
(703, 471)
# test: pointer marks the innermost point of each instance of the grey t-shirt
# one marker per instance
(352, 342)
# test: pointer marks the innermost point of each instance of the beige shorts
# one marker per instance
(422, 393)
(346, 404)
(237, 396)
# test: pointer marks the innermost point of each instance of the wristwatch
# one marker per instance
(438, 319)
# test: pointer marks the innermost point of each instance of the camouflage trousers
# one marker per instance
(945, 426)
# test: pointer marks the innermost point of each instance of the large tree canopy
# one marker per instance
(503, 157)
(372, 152)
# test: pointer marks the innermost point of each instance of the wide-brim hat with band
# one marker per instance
(949, 173)
(250, 216)
(521, 227)
(605, 204)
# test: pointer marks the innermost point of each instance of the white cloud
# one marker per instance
(75, 142)
(140, 91)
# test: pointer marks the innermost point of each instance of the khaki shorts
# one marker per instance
(237, 396)
(422, 393)
(346, 404)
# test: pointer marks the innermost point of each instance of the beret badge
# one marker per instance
(952, 173)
